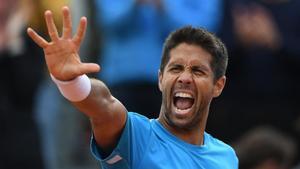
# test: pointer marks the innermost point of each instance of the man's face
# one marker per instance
(187, 85)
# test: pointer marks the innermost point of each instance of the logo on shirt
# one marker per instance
(113, 160)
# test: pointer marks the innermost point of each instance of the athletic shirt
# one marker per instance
(146, 144)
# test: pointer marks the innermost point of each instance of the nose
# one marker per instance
(185, 77)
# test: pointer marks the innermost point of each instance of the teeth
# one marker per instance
(184, 95)
(179, 111)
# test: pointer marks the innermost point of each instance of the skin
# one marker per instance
(188, 71)
(106, 113)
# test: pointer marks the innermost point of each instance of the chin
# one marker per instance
(186, 121)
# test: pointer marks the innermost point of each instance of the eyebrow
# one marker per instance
(175, 64)
(201, 67)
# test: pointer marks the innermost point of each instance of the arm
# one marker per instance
(107, 114)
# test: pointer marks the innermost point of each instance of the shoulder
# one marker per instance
(138, 126)
(138, 117)
(138, 121)
(222, 150)
(213, 142)
(134, 138)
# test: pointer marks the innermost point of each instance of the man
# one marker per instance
(192, 73)
(129, 23)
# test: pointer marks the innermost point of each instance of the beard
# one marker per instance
(188, 123)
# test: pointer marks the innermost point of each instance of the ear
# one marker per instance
(219, 86)
(160, 80)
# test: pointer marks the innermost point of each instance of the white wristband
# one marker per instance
(74, 90)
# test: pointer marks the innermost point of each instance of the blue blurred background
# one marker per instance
(258, 112)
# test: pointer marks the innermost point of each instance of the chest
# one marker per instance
(165, 155)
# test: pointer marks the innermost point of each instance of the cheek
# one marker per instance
(205, 91)
(167, 96)
(166, 87)
(167, 84)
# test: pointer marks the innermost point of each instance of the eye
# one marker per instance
(175, 69)
(198, 71)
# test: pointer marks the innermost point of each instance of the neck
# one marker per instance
(193, 136)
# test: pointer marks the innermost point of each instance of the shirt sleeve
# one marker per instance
(131, 147)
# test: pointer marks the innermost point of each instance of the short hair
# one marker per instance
(200, 37)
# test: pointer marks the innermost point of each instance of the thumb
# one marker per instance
(89, 68)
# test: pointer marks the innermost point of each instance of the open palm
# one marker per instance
(61, 53)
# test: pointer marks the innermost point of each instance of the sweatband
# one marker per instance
(74, 90)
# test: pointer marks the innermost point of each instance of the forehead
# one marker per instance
(189, 54)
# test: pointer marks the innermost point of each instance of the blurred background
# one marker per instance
(258, 112)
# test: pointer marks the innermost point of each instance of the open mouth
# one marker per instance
(183, 102)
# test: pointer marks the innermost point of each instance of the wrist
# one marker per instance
(74, 90)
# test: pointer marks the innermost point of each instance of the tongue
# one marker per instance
(183, 103)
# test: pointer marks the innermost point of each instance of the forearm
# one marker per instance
(90, 96)
(98, 100)
(107, 115)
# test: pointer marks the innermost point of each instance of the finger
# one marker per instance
(51, 26)
(37, 38)
(89, 68)
(80, 32)
(67, 23)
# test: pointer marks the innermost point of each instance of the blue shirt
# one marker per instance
(146, 144)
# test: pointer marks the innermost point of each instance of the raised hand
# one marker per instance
(61, 53)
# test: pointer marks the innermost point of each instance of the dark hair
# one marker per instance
(202, 38)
